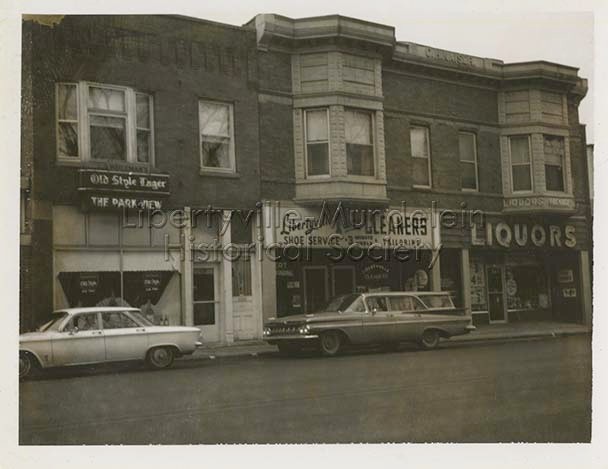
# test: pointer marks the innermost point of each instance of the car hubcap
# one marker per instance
(161, 357)
(429, 338)
(24, 366)
(330, 342)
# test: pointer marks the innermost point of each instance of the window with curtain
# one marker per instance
(241, 276)
(467, 146)
(317, 142)
(521, 163)
(112, 123)
(555, 152)
(421, 157)
(358, 130)
(217, 136)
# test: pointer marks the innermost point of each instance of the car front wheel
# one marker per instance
(430, 339)
(26, 364)
(161, 357)
(330, 343)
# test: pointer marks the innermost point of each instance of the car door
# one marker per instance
(125, 339)
(407, 318)
(378, 324)
(80, 341)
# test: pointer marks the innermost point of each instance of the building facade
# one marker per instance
(327, 155)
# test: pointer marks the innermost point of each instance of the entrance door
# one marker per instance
(343, 280)
(206, 302)
(243, 312)
(315, 288)
(496, 294)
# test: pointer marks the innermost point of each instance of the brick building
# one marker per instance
(475, 167)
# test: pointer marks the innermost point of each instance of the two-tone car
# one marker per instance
(386, 318)
(82, 336)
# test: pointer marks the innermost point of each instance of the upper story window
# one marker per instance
(555, 153)
(103, 122)
(358, 133)
(216, 123)
(317, 142)
(521, 163)
(467, 146)
(421, 156)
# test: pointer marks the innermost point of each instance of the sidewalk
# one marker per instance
(518, 330)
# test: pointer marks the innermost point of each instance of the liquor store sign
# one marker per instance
(117, 190)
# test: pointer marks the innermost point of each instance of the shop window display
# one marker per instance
(527, 288)
(478, 286)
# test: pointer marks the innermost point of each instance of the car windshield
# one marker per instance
(140, 318)
(345, 303)
(53, 324)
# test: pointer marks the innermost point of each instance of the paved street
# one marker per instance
(535, 390)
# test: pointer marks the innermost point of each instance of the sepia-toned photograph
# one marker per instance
(304, 224)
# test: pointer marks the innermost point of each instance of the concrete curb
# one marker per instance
(259, 349)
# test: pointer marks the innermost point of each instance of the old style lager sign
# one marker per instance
(118, 190)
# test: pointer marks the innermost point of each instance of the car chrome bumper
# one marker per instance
(198, 344)
(290, 337)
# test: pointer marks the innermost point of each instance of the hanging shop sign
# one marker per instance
(119, 190)
(366, 227)
(507, 235)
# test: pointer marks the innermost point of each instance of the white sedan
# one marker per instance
(80, 336)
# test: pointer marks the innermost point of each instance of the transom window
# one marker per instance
(421, 156)
(216, 123)
(358, 130)
(521, 163)
(317, 142)
(554, 150)
(467, 146)
(103, 122)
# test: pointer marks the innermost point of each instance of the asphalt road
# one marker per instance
(532, 391)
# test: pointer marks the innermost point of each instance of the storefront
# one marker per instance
(520, 269)
(317, 256)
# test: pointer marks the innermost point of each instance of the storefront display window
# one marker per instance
(450, 274)
(204, 297)
(526, 287)
(479, 300)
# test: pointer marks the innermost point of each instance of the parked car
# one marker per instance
(80, 336)
(386, 318)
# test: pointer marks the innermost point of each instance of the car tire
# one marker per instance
(27, 365)
(160, 357)
(430, 339)
(330, 343)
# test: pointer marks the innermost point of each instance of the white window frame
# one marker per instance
(564, 178)
(474, 161)
(372, 116)
(231, 147)
(428, 151)
(305, 127)
(530, 164)
(83, 121)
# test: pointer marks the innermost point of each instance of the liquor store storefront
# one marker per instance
(520, 269)
(374, 251)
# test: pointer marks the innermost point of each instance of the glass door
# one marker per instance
(315, 288)
(206, 303)
(496, 294)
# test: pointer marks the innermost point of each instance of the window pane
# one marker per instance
(554, 150)
(318, 158)
(469, 175)
(117, 321)
(68, 139)
(106, 99)
(418, 142)
(67, 102)
(521, 178)
(86, 322)
(142, 103)
(360, 159)
(108, 138)
(143, 146)
(216, 152)
(466, 144)
(204, 289)
(554, 178)
(520, 150)
(358, 127)
(316, 126)
(214, 119)
(204, 314)
(241, 277)
(421, 172)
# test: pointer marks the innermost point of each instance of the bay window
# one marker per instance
(317, 142)
(521, 163)
(467, 146)
(554, 150)
(358, 132)
(421, 156)
(103, 122)
(216, 122)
